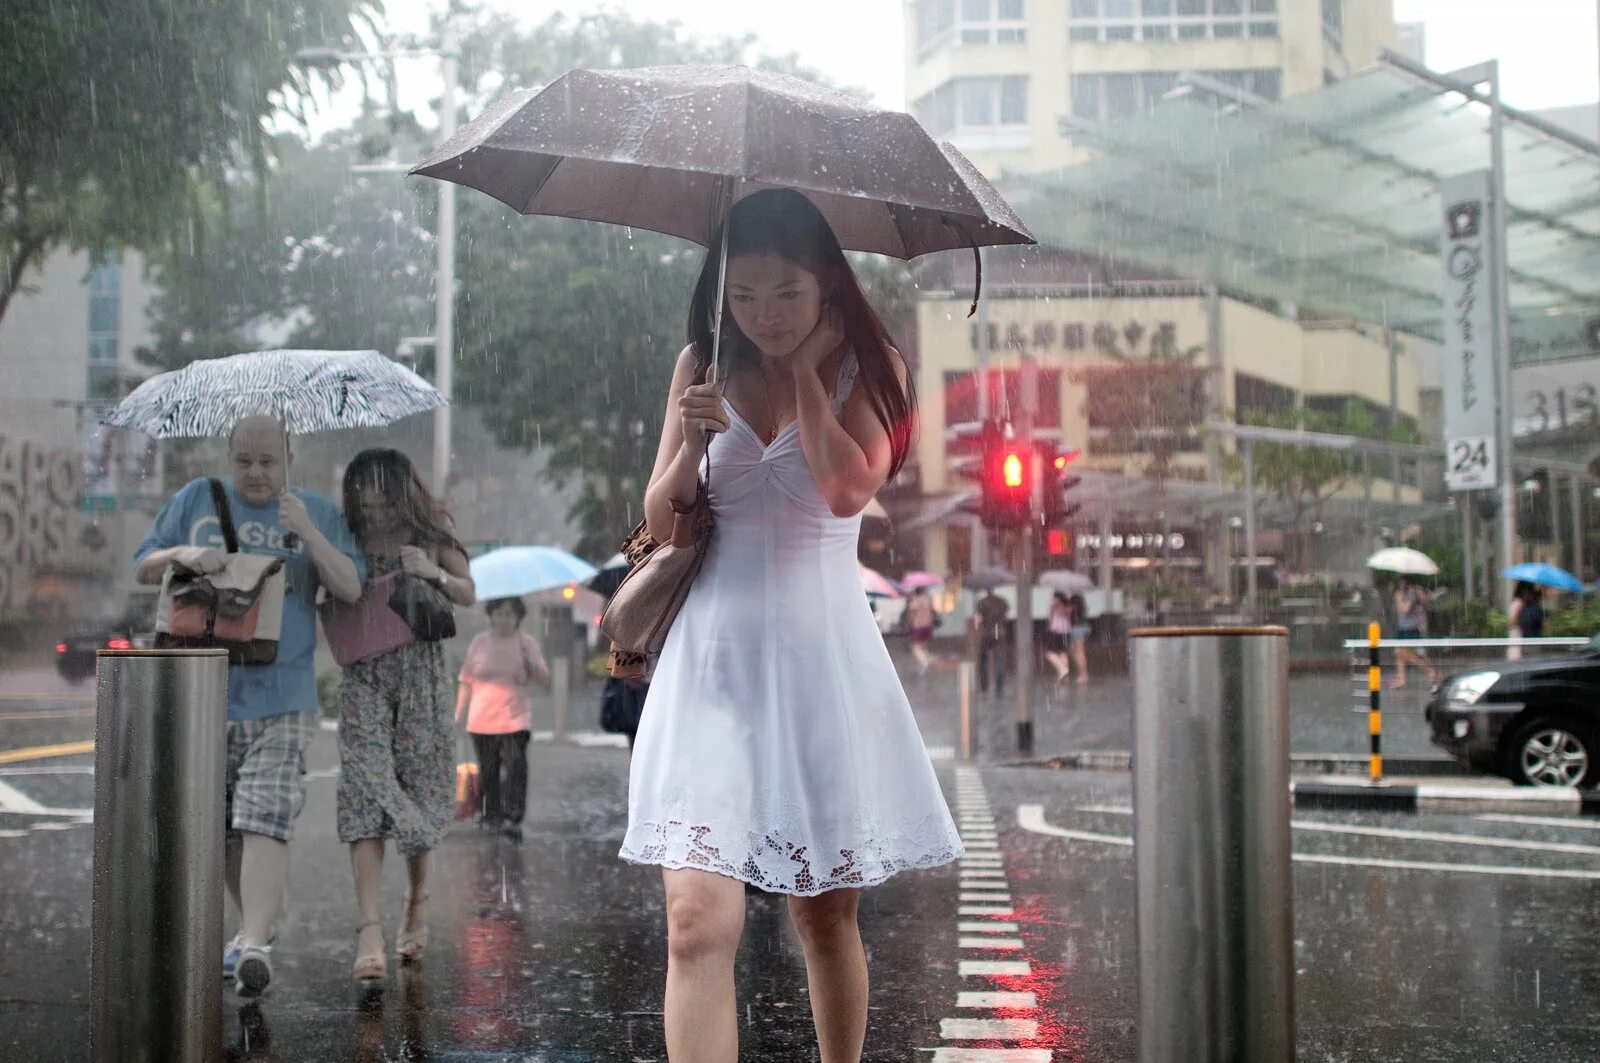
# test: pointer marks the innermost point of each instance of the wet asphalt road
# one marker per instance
(1436, 938)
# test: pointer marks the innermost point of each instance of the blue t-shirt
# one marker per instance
(288, 684)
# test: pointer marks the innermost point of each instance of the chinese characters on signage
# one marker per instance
(38, 492)
(1049, 336)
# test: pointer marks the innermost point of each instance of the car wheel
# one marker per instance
(1553, 752)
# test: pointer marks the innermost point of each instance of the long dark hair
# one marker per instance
(783, 222)
(392, 475)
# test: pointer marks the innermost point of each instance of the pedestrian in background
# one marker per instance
(271, 708)
(396, 739)
(1058, 645)
(990, 618)
(1411, 611)
(1078, 633)
(921, 619)
(777, 748)
(1525, 620)
(495, 697)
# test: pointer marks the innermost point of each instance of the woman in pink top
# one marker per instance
(497, 681)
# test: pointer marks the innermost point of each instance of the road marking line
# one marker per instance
(983, 872)
(63, 749)
(51, 769)
(995, 968)
(992, 1055)
(55, 825)
(1008, 1001)
(984, 884)
(1485, 841)
(983, 909)
(988, 1029)
(46, 714)
(987, 928)
(1006, 944)
(13, 834)
(1031, 818)
(14, 800)
(998, 898)
(1539, 821)
(981, 845)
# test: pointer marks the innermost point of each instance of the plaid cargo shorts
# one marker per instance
(266, 786)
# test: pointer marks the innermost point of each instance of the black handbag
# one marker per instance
(621, 705)
(424, 608)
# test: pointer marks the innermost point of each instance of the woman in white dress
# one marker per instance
(777, 747)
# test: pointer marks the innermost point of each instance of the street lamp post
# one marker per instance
(448, 54)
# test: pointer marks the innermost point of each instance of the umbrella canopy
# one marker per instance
(309, 391)
(987, 579)
(669, 148)
(1404, 560)
(912, 580)
(1066, 581)
(876, 584)
(512, 571)
(1545, 575)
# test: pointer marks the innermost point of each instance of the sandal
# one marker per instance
(369, 966)
(413, 940)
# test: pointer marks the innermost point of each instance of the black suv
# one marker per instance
(75, 651)
(1536, 722)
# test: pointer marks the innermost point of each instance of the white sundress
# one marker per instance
(776, 745)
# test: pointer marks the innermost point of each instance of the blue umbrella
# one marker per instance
(1545, 575)
(512, 571)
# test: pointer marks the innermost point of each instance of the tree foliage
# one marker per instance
(566, 331)
(115, 112)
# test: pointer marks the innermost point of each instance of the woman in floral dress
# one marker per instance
(396, 738)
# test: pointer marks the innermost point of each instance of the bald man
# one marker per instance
(271, 708)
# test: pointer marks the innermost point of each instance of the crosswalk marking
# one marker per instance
(987, 928)
(995, 969)
(992, 1055)
(983, 909)
(988, 1029)
(1004, 944)
(1012, 1001)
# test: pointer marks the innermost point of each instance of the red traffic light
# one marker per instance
(1012, 470)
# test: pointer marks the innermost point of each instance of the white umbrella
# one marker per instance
(1404, 560)
(309, 391)
(512, 571)
(1066, 581)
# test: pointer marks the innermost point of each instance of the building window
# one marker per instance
(1114, 97)
(961, 396)
(1258, 399)
(1163, 20)
(105, 319)
(965, 104)
(943, 22)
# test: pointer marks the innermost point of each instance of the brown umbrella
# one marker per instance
(671, 148)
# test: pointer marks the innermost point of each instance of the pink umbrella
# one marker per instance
(876, 584)
(912, 580)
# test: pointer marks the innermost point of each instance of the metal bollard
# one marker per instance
(160, 743)
(561, 688)
(1211, 845)
(969, 722)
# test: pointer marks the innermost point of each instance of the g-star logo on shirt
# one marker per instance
(266, 538)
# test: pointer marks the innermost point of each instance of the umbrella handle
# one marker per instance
(722, 282)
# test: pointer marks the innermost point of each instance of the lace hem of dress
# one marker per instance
(771, 861)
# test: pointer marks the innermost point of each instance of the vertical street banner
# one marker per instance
(1470, 376)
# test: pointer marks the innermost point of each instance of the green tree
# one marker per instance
(115, 112)
(566, 331)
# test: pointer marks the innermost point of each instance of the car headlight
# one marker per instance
(1469, 689)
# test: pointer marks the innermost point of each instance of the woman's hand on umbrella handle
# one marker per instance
(703, 415)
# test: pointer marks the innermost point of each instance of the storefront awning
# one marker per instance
(1329, 199)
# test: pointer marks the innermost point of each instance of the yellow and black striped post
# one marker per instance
(1374, 709)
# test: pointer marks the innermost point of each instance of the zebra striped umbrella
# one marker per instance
(309, 391)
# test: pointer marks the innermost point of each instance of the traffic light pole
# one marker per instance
(1029, 390)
